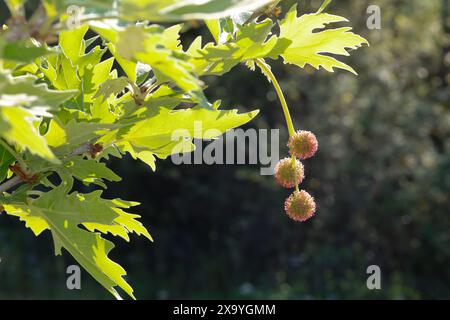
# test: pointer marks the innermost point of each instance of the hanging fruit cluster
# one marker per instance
(289, 173)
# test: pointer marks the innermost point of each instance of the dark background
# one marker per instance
(381, 180)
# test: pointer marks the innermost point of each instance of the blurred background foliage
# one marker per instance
(381, 179)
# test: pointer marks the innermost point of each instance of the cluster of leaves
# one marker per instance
(64, 109)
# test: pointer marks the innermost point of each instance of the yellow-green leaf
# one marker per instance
(63, 213)
(19, 127)
(311, 46)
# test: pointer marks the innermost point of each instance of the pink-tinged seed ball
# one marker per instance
(300, 206)
(289, 173)
(303, 144)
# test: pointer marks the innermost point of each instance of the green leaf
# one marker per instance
(224, 29)
(103, 112)
(251, 42)
(60, 72)
(215, 28)
(87, 171)
(310, 46)
(6, 159)
(167, 131)
(129, 67)
(65, 137)
(26, 92)
(21, 51)
(72, 68)
(140, 153)
(171, 37)
(147, 45)
(71, 43)
(154, 46)
(21, 102)
(95, 77)
(172, 10)
(208, 9)
(111, 87)
(36, 223)
(63, 213)
(19, 127)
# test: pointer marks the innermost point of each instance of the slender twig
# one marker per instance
(16, 180)
(11, 183)
(84, 148)
(61, 25)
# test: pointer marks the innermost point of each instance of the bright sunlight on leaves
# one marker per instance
(65, 109)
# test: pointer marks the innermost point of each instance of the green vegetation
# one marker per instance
(380, 177)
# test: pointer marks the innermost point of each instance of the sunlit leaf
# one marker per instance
(311, 46)
(63, 213)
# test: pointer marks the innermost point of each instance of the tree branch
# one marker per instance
(84, 148)
(88, 147)
(10, 183)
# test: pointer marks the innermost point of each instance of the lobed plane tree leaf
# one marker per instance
(63, 213)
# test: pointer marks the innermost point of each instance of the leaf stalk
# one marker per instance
(287, 115)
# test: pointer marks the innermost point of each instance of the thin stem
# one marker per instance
(14, 181)
(294, 164)
(97, 18)
(16, 10)
(266, 69)
(287, 115)
(10, 184)
(14, 154)
(61, 26)
(35, 192)
(84, 148)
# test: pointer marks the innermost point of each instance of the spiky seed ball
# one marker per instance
(289, 175)
(300, 206)
(303, 144)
